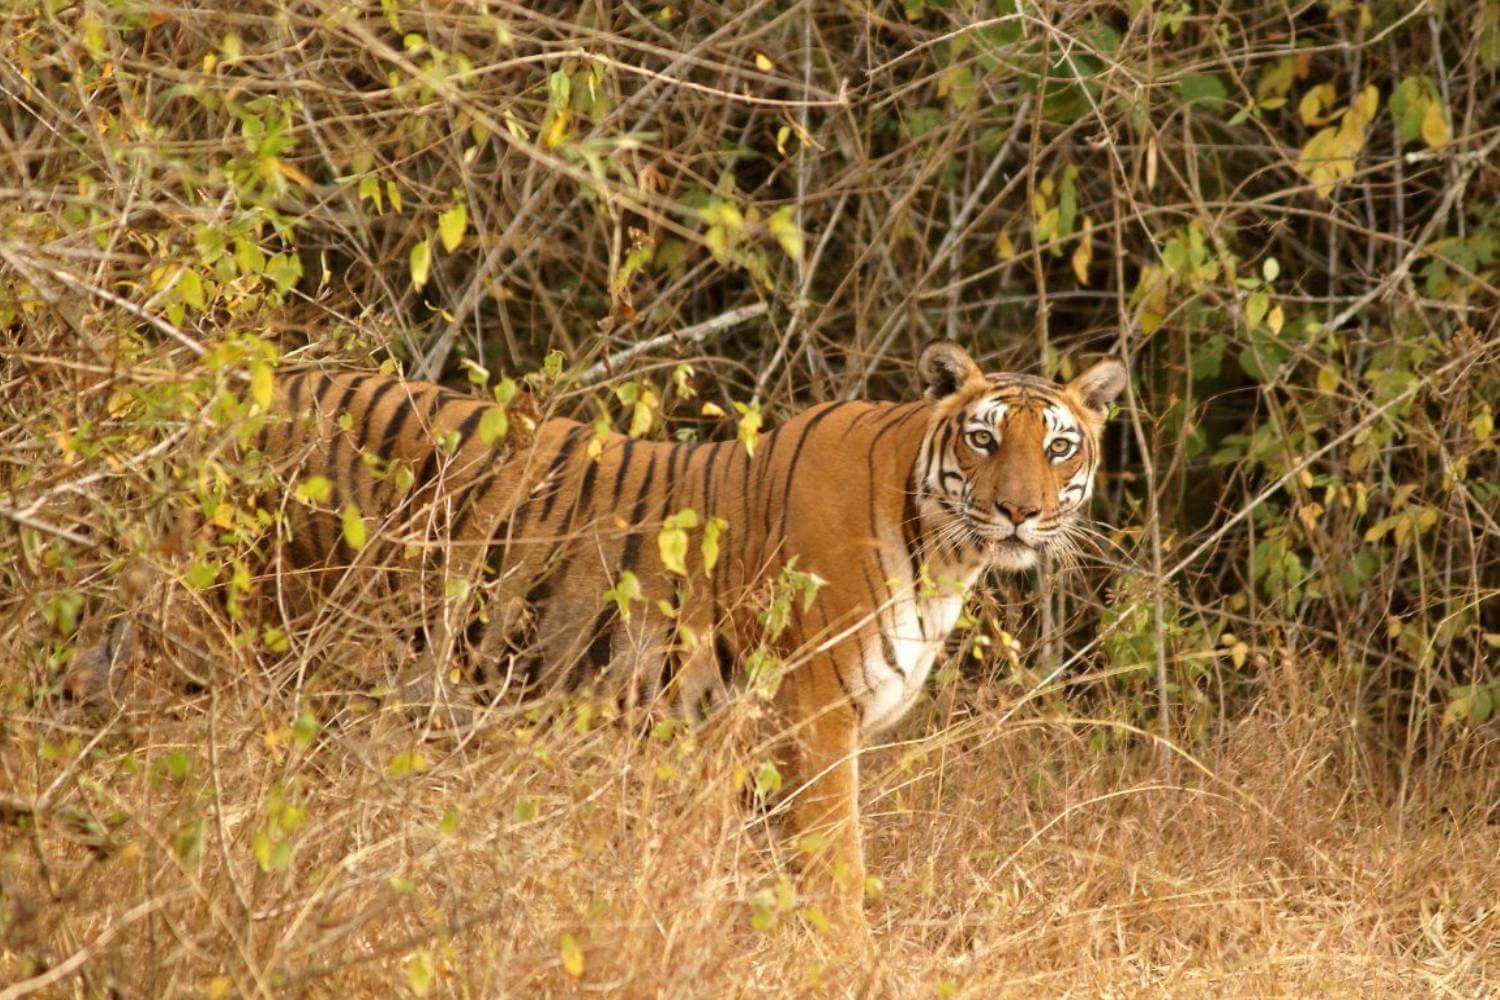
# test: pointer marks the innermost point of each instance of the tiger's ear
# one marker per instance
(1097, 387)
(945, 368)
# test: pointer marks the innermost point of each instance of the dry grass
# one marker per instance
(1239, 751)
(1016, 859)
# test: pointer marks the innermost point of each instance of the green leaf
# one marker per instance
(305, 729)
(1255, 309)
(626, 589)
(420, 261)
(314, 489)
(672, 543)
(260, 846)
(451, 226)
(494, 425)
(201, 575)
(190, 289)
(710, 545)
(406, 762)
(187, 843)
(767, 779)
(1202, 88)
(354, 527)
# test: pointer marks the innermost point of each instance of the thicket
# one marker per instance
(1286, 216)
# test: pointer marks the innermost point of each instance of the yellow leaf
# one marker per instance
(260, 384)
(1083, 255)
(712, 410)
(1046, 224)
(1434, 126)
(314, 489)
(640, 419)
(420, 973)
(749, 429)
(1364, 107)
(763, 62)
(354, 527)
(1004, 248)
(558, 130)
(1275, 319)
(572, 955)
(420, 261)
(451, 226)
(1328, 380)
(290, 172)
(672, 544)
(712, 529)
(1310, 108)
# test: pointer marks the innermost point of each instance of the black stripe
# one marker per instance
(833, 660)
(633, 540)
(626, 452)
(374, 401)
(890, 425)
(709, 459)
(561, 554)
(586, 488)
(746, 485)
(442, 399)
(394, 428)
(679, 450)
(791, 469)
(324, 384)
(768, 466)
(597, 654)
(467, 500)
(874, 408)
(555, 472)
(296, 386)
(724, 655)
(363, 426)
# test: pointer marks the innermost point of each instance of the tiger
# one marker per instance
(898, 508)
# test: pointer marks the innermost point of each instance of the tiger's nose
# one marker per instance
(1016, 512)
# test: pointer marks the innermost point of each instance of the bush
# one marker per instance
(1285, 216)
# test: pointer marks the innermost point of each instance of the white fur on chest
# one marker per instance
(914, 630)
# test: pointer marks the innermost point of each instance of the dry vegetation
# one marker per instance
(1248, 747)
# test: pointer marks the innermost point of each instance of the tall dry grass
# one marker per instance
(1247, 747)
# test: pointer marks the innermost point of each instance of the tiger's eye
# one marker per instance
(981, 440)
(1060, 448)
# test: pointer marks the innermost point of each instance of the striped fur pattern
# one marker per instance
(899, 507)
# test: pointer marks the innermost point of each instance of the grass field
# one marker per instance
(1248, 746)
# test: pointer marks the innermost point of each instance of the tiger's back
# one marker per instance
(554, 527)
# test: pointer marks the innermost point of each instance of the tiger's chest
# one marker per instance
(895, 665)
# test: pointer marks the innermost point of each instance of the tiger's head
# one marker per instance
(1009, 460)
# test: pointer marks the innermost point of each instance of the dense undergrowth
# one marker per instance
(1247, 746)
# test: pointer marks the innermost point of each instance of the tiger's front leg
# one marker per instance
(825, 806)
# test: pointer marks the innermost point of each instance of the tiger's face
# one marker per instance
(1009, 461)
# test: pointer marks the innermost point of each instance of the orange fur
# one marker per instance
(898, 507)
